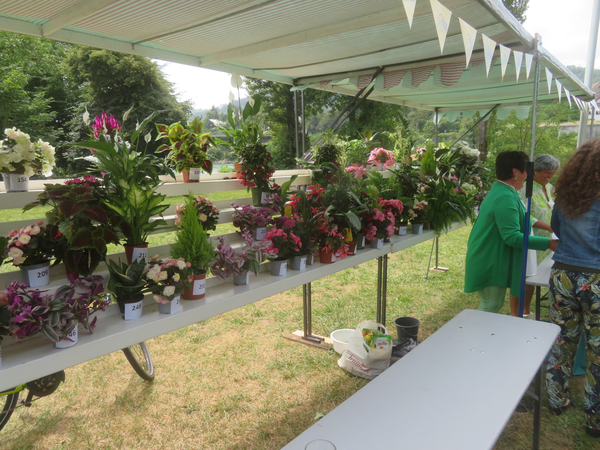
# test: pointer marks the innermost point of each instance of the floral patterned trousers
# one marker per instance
(574, 304)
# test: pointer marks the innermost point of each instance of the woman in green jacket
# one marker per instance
(495, 245)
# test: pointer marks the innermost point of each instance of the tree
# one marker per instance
(116, 81)
(518, 8)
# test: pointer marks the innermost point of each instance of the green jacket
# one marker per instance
(495, 245)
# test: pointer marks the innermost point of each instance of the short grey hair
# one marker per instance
(546, 162)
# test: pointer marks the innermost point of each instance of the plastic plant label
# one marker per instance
(260, 233)
(139, 253)
(303, 263)
(332, 258)
(199, 287)
(70, 341)
(175, 304)
(264, 197)
(19, 182)
(133, 310)
(283, 268)
(39, 277)
(362, 243)
(194, 173)
(402, 230)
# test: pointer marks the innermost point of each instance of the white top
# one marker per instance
(456, 390)
(542, 277)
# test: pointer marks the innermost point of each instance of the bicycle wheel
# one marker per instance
(10, 404)
(139, 358)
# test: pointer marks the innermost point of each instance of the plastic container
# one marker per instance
(340, 339)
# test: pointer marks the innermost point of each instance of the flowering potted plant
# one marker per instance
(283, 244)
(20, 159)
(254, 220)
(54, 315)
(208, 213)
(187, 148)
(82, 224)
(127, 284)
(381, 157)
(130, 179)
(256, 170)
(241, 262)
(166, 279)
(417, 215)
(191, 245)
(31, 248)
(358, 172)
(4, 319)
(381, 221)
(332, 242)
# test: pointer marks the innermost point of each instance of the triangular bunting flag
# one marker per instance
(504, 55)
(559, 89)
(549, 79)
(528, 61)
(489, 46)
(468, 34)
(441, 16)
(518, 62)
(409, 7)
(568, 96)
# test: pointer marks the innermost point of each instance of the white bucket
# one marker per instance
(340, 339)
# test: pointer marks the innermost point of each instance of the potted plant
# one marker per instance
(357, 152)
(332, 242)
(20, 159)
(256, 170)
(31, 249)
(166, 279)
(417, 215)
(82, 224)
(127, 284)
(187, 148)
(253, 220)
(4, 320)
(325, 163)
(239, 263)
(130, 179)
(381, 158)
(192, 245)
(208, 213)
(283, 244)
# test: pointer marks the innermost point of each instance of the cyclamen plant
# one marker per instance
(30, 245)
(19, 155)
(381, 155)
(208, 213)
(231, 262)
(167, 278)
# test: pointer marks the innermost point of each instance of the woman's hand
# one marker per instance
(553, 244)
(542, 226)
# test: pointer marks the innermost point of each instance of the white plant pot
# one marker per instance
(15, 182)
(417, 228)
(279, 268)
(69, 340)
(402, 230)
(36, 275)
(299, 262)
(377, 243)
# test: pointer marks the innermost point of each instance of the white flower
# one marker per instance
(231, 96)
(251, 101)
(126, 115)
(15, 253)
(176, 277)
(236, 80)
(168, 291)
(148, 137)
(86, 117)
(163, 276)
(181, 264)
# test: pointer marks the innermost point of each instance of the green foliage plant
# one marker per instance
(191, 241)
(445, 204)
(187, 145)
(127, 282)
(245, 131)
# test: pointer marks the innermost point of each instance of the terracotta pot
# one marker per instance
(136, 252)
(325, 256)
(186, 177)
(198, 289)
(238, 168)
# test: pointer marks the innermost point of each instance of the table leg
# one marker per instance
(384, 290)
(538, 299)
(307, 310)
(379, 285)
(537, 415)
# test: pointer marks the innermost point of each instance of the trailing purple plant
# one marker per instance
(229, 261)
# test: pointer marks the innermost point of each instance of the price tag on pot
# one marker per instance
(139, 253)
(402, 229)
(133, 310)
(283, 268)
(264, 197)
(260, 233)
(39, 277)
(199, 286)
(69, 340)
(194, 173)
(175, 304)
(303, 263)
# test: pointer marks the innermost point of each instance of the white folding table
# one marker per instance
(456, 390)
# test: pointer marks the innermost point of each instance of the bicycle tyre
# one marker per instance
(9, 406)
(139, 358)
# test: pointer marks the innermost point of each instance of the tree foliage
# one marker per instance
(518, 8)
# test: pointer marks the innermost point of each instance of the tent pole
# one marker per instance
(589, 69)
(437, 139)
(303, 122)
(474, 125)
(529, 184)
(296, 128)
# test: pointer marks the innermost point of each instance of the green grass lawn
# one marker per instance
(234, 382)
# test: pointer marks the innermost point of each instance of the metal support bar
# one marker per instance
(296, 127)
(537, 415)
(437, 267)
(476, 123)
(303, 122)
(379, 283)
(384, 293)
(429, 263)
(307, 310)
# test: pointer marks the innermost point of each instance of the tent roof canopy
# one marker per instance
(332, 44)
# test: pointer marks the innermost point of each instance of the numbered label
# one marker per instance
(139, 253)
(264, 197)
(260, 233)
(19, 182)
(303, 263)
(39, 277)
(194, 173)
(70, 340)
(283, 268)
(133, 310)
(402, 231)
(199, 287)
(332, 258)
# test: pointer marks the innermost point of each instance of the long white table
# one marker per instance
(455, 391)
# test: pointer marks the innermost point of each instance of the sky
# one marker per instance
(563, 25)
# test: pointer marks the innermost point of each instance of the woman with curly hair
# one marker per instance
(575, 281)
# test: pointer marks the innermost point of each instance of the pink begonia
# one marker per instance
(358, 172)
(35, 230)
(163, 276)
(378, 215)
(24, 238)
(202, 217)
